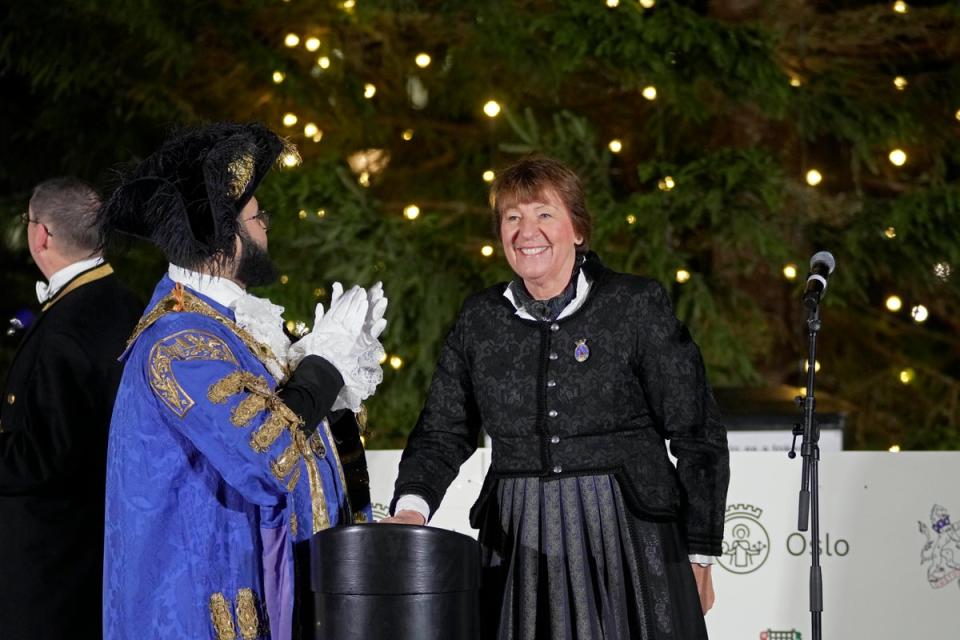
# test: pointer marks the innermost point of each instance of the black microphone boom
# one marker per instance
(822, 265)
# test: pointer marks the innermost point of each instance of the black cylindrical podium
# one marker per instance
(397, 582)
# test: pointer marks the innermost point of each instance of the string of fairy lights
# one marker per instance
(366, 164)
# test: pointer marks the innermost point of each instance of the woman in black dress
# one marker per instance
(580, 375)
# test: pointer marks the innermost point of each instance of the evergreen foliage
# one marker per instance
(749, 97)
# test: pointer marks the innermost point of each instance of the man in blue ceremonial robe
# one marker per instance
(223, 457)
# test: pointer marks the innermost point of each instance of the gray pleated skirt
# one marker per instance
(566, 560)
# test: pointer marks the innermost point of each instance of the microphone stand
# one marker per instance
(809, 429)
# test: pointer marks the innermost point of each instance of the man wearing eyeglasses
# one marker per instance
(53, 425)
(230, 446)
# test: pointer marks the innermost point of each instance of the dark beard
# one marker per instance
(254, 267)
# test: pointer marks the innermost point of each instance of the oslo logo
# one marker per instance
(943, 551)
(746, 544)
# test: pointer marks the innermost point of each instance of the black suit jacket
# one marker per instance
(56, 409)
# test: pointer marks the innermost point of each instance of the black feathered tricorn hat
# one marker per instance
(186, 196)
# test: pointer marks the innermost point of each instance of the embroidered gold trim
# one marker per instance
(282, 466)
(318, 501)
(234, 383)
(360, 517)
(84, 278)
(221, 617)
(268, 432)
(325, 425)
(294, 527)
(189, 344)
(247, 409)
(192, 304)
(240, 171)
(294, 479)
(247, 618)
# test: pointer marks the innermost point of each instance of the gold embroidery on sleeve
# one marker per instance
(221, 617)
(235, 382)
(268, 432)
(189, 344)
(282, 466)
(247, 409)
(247, 618)
(294, 479)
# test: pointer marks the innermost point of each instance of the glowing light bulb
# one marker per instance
(364, 178)
(790, 271)
(816, 366)
(648, 4)
(631, 219)
(919, 313)
(907, 375)
(310, 130)
(278, 77)
(319, 292)
(289, 119)
(666, 183)
(290, 159)
(411, 212)
(349, 4)
(900, 83)
(284, 279)
(900, 6)
(890, 233)
(894, 303)
(615, 145)
(291, 40)
(814, 177)
(318, 136)
(683, 276)
(321, 213)
(323, 62)
(942, 270)
(302, 214)
(486, 250)
(369, 91)
(795, 81)
(383, 357)
(650, 93)
(898, 157)
(491, 108)
(489, 175)
(957, 114)
(613, 3)
(894, 448)
(423, 60)
(407, 134)
(396, 362)
(312, 44)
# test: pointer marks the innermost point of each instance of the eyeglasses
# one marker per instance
(263, 217)
(26, 219)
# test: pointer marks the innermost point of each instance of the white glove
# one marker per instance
(334, 332)
(346, 336)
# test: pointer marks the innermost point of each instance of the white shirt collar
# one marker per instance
(221, 290)
(45, 291)
(583, 288)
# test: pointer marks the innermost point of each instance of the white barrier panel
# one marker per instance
(891, 553)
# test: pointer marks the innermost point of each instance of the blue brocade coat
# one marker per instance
(209, 482)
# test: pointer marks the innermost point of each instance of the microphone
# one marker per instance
(822, 265)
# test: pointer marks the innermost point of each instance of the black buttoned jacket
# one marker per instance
(53, 445)
(552, 414)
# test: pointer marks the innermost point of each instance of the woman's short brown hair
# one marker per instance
(526, 180)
